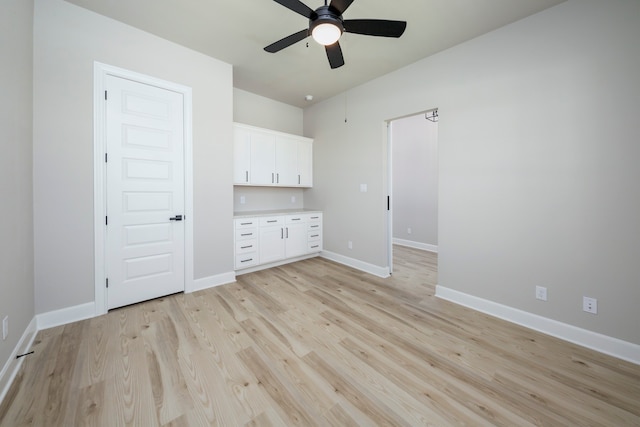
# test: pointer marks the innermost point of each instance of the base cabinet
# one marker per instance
(273, 238)
(296, 237)
(246, 243)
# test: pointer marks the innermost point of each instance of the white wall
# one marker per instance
(256, 110)
(538, 151)
(16, 227)
(415, 180)
(67, 41)
(267, 198)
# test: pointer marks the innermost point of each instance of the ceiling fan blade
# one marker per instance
(298, 7)
(287, 41)
(375, 27)
(340, 5)
(334, 53)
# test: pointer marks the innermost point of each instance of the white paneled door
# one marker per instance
(145, 192)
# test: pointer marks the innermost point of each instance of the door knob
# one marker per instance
(176, 218)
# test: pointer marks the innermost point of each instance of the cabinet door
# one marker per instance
(286, 161)
(305, 163)
(271, 244)
(296, 239)
(263, 158)
(241, 156)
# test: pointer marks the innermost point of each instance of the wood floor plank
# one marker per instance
(315, 343)
(304, 381)
(375, 409)
(288, 405)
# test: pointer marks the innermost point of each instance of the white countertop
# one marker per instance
(250, 214)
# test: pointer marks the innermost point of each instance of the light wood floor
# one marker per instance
(316, 343)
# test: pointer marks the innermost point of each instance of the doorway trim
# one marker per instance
(100, 72)
(388, 145)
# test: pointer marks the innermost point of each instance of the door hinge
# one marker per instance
(107, 282)
(388, 203)
(106, 220)
(105, 157)
(105, 95)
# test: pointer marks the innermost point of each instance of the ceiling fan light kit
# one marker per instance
(326, 26)
(326, 34)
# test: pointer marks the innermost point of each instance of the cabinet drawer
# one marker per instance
(246, 260)
(314, 236)
(269, 221)
(246, 246)
(245, 222)
(246, 233)
(315, 218)
(315, 246)
(314, 226)
(296, 219)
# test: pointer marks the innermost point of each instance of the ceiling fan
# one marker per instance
(326, 26)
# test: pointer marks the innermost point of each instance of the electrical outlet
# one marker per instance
(541, 293)
(243, 200)
(293, 199)
(350, 244)
(409, 230)
(590, 305)
(5, 327)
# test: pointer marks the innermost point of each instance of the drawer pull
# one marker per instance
(246, 247)
(315, 217)
(314, 235)
(247, 260)
(273, 220)
(315, 246)
(247, 234)
(246, 223)
(315, 226)
(296, 219)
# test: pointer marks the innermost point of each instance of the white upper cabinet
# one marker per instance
(286, 161)
(241, 156)
(305, 163)
(265, 157)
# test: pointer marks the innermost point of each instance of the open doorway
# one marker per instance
(413, 182)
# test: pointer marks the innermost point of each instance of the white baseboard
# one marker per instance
(416, 245)
(63, 316)
(212, 281)
(602, 343)
(12, 366)
(357, 264)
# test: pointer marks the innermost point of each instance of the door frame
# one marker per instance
(388, 144)
(100, 73)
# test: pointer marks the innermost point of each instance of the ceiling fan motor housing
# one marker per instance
(326, 15)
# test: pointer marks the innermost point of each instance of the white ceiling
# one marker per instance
(236, 31)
